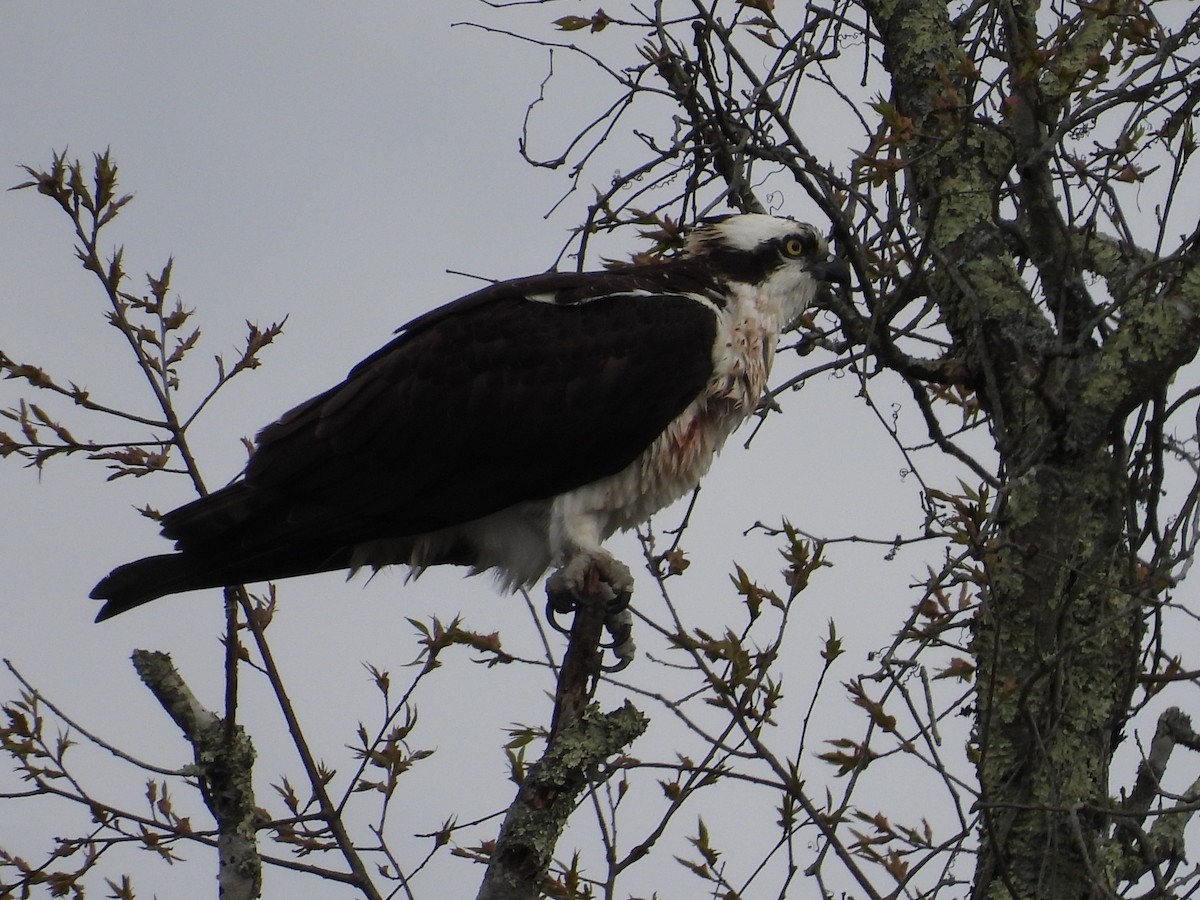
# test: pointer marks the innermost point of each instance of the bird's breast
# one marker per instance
(680, 456)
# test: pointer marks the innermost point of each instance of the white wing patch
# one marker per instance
(553, 299)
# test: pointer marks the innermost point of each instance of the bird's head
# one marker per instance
(777, 256)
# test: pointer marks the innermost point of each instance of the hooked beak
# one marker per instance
(833, 271)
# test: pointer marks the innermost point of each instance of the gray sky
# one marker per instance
(331, 165)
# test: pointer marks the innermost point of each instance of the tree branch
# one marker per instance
(581, 739)
(224, 762)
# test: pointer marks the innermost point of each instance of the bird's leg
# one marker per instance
(595, 577)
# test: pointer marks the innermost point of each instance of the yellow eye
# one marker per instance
(794, 247)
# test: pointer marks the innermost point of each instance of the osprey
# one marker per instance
(513, 429)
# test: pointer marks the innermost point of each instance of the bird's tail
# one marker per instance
(222, 539)
(143, 580)
(146, 579)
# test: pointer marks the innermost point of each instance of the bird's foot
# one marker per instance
(590, 578)
(593, 579)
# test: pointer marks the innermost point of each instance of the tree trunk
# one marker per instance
(1057, 650)
(1057, 635)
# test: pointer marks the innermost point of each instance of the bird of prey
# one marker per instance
(513, 429)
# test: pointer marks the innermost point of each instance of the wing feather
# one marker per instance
(486, 402)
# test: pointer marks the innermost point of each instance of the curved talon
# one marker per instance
(620, 665)
(619, 603)
(561, 599)
(620, 625)
(552, 612)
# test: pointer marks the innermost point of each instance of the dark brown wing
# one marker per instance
(494, 404)
(490, 400)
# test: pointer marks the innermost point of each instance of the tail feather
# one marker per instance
(236, 535)
(144, 580)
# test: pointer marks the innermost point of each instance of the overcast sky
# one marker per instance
(331, 166)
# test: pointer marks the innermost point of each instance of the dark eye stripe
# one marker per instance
(752, 266)
(755, 265)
